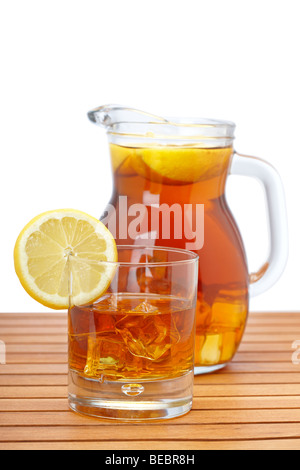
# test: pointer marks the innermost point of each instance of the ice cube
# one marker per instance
(203, 317)
(148, 336)
(104, 353)
(145, 307)
(229, 314)
(229, 346)
(113, 302)
(211, 351)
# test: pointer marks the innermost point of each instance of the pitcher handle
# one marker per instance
(271, 271)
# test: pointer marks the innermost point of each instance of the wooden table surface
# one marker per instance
(254, 403)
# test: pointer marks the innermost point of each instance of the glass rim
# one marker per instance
(191, 257)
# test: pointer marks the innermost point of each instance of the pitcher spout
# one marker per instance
(108, 115)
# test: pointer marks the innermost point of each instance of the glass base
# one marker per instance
(130, 401)
(208, 369)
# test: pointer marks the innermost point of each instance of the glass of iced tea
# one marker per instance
(131, 351)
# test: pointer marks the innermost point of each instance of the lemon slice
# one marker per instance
(183, 165)
(59, 253)
(121, 160)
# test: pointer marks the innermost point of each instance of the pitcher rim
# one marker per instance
(105, 111)
(125, 124)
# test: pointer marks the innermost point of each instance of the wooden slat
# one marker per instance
(34, 392)
(245, 403)
(271, 338)
(200, 403)
(264, 356)
(221, 378)
(61, 339)
(37, 315)
(264, 378)
(41, 369)
(33, 339)
(268, 367)
(199, 390)
(156, 431)
(262, 320)
(57, 358)
(36, 348)
(64, 418)
(33, 330)
(272, 444)
(266, 316)
(282, 347)
(242, 367)
(43, 319)
(265, 347)
(61, 329)
(38, 404)
(253, 403)
(60, 313)
(9, 380)
(42, 358)
(51, 329)
(245, 378)
(31, 322)
(248, 390)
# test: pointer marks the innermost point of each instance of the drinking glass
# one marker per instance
(131, 351)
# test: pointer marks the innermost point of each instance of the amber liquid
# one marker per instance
(222, 305)
(128, 336)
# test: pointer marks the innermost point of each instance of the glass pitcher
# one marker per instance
(169, 178)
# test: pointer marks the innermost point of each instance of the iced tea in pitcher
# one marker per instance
(169, 179)
(174, 196)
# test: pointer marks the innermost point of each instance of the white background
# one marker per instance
(233, 59)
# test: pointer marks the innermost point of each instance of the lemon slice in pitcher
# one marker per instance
(58, 244)
(182, 165)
